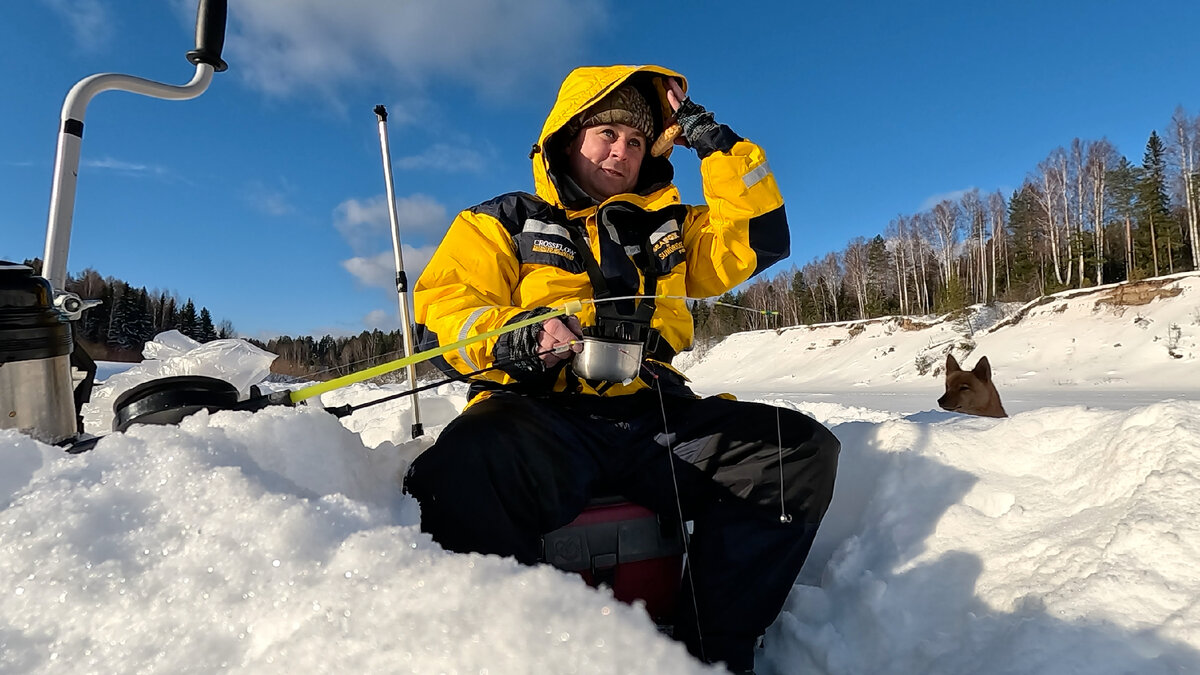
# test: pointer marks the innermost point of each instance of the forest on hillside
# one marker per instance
(1085, 215)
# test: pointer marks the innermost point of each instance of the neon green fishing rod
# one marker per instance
(573, 307)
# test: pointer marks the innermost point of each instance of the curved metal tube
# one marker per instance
(66, 159)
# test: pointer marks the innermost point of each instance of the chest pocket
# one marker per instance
(544, 243)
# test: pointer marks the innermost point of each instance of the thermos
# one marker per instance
(36, 394)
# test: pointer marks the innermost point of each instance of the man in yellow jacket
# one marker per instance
(543, 431)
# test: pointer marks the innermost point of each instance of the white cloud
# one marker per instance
(379, 270)
(89, 21)
(271, 201)
(124, 167)
(408, 112)
(381, 319)
(442, 157)
(362, 223)
(493, 45)
(933, 200)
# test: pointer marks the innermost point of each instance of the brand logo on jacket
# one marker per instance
(668, 244)
(553, 248)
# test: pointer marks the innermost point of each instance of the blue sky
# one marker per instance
(263, 198)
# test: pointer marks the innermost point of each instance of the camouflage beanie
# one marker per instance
(624, 105)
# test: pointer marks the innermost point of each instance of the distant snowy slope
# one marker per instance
(1084, 337)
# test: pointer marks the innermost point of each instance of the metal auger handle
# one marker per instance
(210, 35)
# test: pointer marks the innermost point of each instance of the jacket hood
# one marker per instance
(582, 88)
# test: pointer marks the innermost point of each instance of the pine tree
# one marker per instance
(205, 332)
(1154, 207)
(118, 302)
(141, 319)
(1123, 185)
(188, 322)
(802, 298)
(879, 264)
(166, 316)
(1027, 240)
(94, 322)
(125, 329)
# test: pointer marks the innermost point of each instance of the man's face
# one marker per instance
(605, 159)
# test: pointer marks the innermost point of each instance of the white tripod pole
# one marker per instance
(401, 277)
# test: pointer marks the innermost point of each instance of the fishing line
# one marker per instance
(763, 312)
(679, 509)
(784, 516)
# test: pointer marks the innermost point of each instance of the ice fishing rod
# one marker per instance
(168, 400)
(349, 409)
(401, 277)
(573, 307)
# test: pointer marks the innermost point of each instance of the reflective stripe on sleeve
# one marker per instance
(756, 174)
(465, 332)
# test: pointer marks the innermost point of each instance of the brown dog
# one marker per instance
(971, 391)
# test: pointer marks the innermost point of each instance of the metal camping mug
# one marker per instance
(608, 360)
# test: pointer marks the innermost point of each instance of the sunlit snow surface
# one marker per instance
(1061, 539)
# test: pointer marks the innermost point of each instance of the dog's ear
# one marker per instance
(951, 364)
(983, 370)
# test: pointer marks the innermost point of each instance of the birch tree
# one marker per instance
(897, 240)
(997, 218)
(973, 216)
(1101, 159)
(1074, 198)
(857, 269)
(1182, 143)
(813, 280)
(832, 275)
(921, 240)
(1049, 179)
(946, 226)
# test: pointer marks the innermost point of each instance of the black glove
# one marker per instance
(694, 119)
(521, 346)
(701, 130)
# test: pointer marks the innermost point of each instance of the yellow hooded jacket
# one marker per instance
(516, 253)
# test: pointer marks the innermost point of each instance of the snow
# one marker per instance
(1061, 539)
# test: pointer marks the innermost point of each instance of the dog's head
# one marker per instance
(971, 391)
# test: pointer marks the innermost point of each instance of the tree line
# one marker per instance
(1084, 216)
(126, 318)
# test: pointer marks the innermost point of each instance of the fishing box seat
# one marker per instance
(627, 547)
